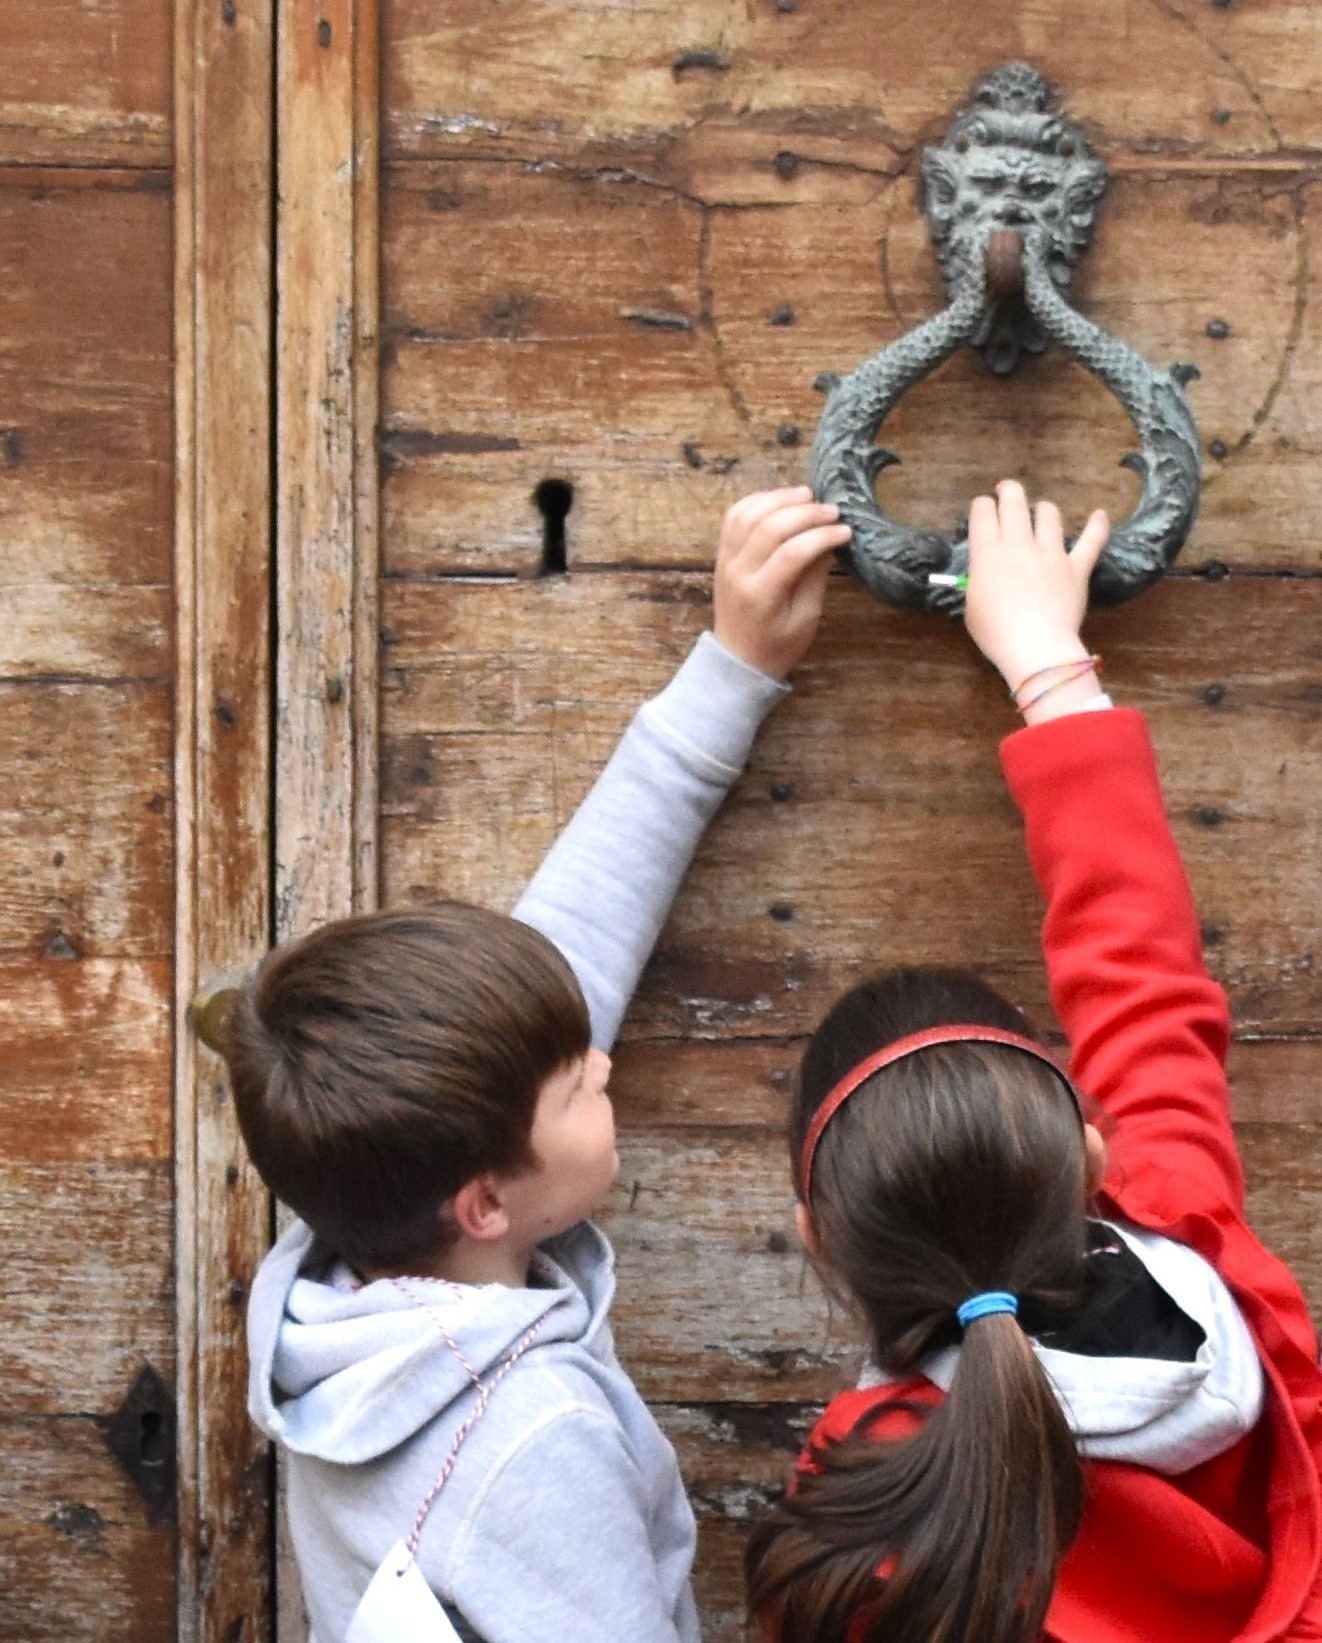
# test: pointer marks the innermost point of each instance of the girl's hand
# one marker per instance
(1027, 595)
(771, 571)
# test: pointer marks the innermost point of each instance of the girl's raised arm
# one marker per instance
(1148, 1028)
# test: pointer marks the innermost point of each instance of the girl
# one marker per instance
(1088, 1427)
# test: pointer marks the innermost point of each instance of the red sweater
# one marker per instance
(1229, 1552)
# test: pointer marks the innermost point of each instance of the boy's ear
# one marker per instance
(807, 1230)
(478, 1211)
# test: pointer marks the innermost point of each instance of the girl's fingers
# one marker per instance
(1047, 526)
(1087, 550)
(984, 526)
(1013, 508)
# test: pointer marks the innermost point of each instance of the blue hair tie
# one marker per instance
(982, 1306)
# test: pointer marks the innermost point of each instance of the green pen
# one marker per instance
(943, 579)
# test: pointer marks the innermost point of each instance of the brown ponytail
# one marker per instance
(957, 1170)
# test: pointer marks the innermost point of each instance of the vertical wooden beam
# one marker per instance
(367, 401)
(326, 486)
(326, 285)
(223, 203)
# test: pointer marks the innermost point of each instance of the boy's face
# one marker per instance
(573, 1137)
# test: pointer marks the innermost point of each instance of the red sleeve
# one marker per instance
(1148, 1028)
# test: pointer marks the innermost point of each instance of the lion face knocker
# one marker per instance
(1011, 196)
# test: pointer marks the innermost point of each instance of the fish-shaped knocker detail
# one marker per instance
(1011, 195)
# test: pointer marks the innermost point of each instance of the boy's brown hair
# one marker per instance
(381, 1062)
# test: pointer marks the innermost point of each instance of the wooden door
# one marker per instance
(86, 748)
(135, 361)
(259, 550)
(618, 244)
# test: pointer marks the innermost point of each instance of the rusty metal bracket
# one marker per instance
(1011, 196)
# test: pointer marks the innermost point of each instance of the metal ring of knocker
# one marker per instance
(1011, 196)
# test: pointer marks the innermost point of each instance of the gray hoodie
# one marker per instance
(564, 1517)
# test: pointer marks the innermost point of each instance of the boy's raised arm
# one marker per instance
(606, 887)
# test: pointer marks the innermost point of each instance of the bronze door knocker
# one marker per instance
(1011, 196)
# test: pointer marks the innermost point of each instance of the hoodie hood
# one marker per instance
(1167, 1416)
(346, 1373)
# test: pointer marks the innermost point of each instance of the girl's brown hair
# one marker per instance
(383, 1061)
(956, 1170)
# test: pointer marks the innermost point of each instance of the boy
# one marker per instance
(427, 1089)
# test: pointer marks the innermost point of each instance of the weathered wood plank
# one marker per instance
(80, 633)
(79, 1561)
(542, 323)
(592, 82)
(700, 1083)
(86, 1063)
(325, 749)
(88, 1291)
(1285, 1197)
(872, 826)
(223, 77)
(326, 564)
(716, 1298)
(85, 379)
(1275, 53)
(85, 811)
(86, 85)
(717, 1301)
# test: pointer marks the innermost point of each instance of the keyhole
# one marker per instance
(150, 1433)
(554, 499)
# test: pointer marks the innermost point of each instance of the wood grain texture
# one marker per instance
(314, 406)
(223, 70)
(85, 807)
(892, 839)
(79, 1561)
(546, 323)
(106, 633)
(88, 1295)
(694, 1083)
(86, 1062)
(85, 379)
(599, 80)
(326, 529)
(326, 394)
(85, 85)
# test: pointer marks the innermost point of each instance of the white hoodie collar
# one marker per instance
(1169, 1417)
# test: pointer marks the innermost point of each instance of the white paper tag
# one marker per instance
(399, 1606)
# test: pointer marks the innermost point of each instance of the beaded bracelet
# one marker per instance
(1075, 670)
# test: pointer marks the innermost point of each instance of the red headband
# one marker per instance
(909, 1046)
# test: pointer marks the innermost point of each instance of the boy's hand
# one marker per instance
(771, 571)
(1027, 595)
